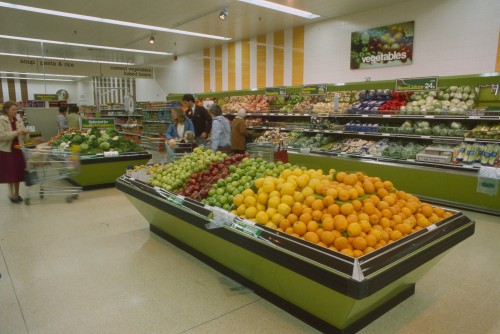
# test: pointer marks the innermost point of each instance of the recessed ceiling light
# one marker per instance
(36, 79)
(84, 45)
(152, 40)
(281, 8)
(68, 59)
(108, 21)
(45, 74)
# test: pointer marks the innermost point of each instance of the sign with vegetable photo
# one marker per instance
(383, 46)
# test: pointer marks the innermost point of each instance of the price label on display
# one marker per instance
(416, 84)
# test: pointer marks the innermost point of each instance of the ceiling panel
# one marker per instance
(201, 16)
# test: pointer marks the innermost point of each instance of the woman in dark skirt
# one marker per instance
(12, 165)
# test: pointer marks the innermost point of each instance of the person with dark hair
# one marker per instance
(199, 116)
(73, 118)
(221, 130)
(62, 121)
(12, 164)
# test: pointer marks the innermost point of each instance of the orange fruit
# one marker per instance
(309, 200)
(354, 229)
(352, 218)
(439, 212)
(285, 224)
(312, 226)
(300, 228)
(346, 209)
(307, 210)
(317, 204)
(329, 200)
(297, 208)
(347, 251)
(396, 235)
(311, 237)
(334, 209)
(365, 225)
(387, 213)
(357, 253)
(368, 187)
(340, 223)
(292, 218)
(322, 244)
(359, 243)
(343, 195)
(388, 185)
(316, 215)
(327, 237)
(368, 250)
(305, 218)
(340, 176)
(374, 219)
(378, 185)
(341, 243)
(289, 230)
(382, 205)
(353, 193)
(425, 209)
(350, 179)
(371, 240)
(332, 192)
(357, 205)
(368, 208)
(328, 224)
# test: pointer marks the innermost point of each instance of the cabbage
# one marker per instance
(453, 88)
(446, 103)
(458, 96)
(455, 101)
(421, 102)
(104, 146)
(446, 96)
(436, 130)
(414, 103)
(472, 96)
(456, 125)
(460, 90)
(469, 103)
(467, 89)
(433, 94)
(430, 108)
(465, 97)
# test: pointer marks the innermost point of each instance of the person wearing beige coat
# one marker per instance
(12, 164)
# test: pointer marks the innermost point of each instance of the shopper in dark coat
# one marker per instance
(12, 165)
(199, 116)
(239, 132)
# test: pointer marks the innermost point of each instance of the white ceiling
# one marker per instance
(201, 16)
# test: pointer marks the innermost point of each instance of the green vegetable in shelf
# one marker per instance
(78, 139)
(84, 147)
(104, 146)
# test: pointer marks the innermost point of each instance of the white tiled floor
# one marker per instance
(93, 267)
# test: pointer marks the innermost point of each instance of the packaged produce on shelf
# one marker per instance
(352, 146)
(484, 131)
(324, 107)
(305, 141)
(453, 100)
(397, 150)
(269, 136)
(251, 103)
(377, 149)
(484, 154)
(94, 141)
(360, 127)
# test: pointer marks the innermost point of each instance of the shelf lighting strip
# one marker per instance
(48, 41)
(107, 21)
(282, 8)
(45, 74)
(66, 59)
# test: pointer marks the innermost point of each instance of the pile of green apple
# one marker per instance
(173, 176)
(242, 177)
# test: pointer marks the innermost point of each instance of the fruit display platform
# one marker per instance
(100, 172)
(330, 291)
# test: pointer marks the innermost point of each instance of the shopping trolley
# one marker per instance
(178, 151)
(45, 165)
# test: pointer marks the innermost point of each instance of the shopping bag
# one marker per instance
(281, 154)
(30, 178)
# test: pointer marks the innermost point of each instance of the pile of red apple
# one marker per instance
(199, 184)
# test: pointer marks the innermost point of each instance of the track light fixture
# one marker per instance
(152, 40)
(223, 14)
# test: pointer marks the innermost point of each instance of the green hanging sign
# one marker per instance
(416, 84)
(275, 91)
(101, 123)
(313, 90)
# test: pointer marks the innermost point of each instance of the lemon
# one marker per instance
(238, 199)
(274, 202)
(261, 218)
(284, 209)
(251, 212)
(287, 199)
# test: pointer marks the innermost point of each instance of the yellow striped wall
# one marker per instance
(275, 59)
(497, 67)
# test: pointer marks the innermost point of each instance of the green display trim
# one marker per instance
(458, 80)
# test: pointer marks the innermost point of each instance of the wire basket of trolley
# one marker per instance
(44, 165)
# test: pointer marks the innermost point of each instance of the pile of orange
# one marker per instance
(349, 213)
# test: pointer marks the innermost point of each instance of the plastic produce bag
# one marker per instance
(487, 180)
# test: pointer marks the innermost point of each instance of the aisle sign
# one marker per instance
(101, 123)
(127, 71)
(313, 90)
(275, 91)
(46, 97)
(416, 84)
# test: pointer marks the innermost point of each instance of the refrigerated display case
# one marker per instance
(332, 292)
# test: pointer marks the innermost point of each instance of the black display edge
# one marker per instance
(347, 286)
(124, 157)
(285, 305)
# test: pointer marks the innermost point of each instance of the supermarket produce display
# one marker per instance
(354, 242)
(104, 155)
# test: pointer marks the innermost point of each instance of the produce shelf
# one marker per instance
(332, 292)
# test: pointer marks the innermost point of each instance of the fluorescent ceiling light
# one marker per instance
(489, 74)
(38, 79)
(108, 21)
(68, 59)
(45, 74)
(281, 8)
(83, 45)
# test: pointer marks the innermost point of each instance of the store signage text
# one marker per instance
(46, 97)
(314, 90)
(417, 84)
(275, 91)
(103, 123)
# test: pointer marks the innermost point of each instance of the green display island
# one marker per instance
(448, 185)
(330, 291)
(100, 171)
